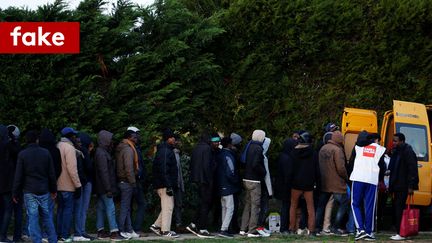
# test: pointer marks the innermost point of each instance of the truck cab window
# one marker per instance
(416, 136)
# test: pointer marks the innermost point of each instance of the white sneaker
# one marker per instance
(262, 232)
(125, 235)
(397, 237)
(80, 238)
(242, 233)
(134, 235)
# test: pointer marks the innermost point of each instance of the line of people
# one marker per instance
(309, 183)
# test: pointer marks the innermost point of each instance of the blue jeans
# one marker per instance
(77, 211)
(343, 202)
(105, 205)
(65, 213)
(35, 204)
(86, 196)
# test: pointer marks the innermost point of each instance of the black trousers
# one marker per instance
(399, 202)
(205, 193)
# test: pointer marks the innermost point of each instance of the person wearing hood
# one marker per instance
(266, 187)
(255, 173)
(334, 180)
(165, 175)
(283, 182)
(228, 184)
(403, 178)
(367, 164)
(35, 178)
(127, 168)
(7, 166)
(106, 187)
(179, 190)
(68, 183)
(86, 172)
(203, 167)
(305, 179)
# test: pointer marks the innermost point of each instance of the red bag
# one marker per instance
(409, 225)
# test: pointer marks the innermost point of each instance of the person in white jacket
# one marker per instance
(266, 190)
(369, 159)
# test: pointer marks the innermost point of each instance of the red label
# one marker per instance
(40, 37)
(369, 151)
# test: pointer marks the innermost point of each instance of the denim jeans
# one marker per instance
(139, 198)
(65, 213)
(6, 210)
(35, 204)
(125, 223)
(86, 196)
(341, 199)
(105, 205)
(77, 211)
(322, 203)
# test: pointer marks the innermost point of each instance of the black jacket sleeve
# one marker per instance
(17, 186)
(52, 180)
(411, 159)
(258, 163)
(383, 168)
(207, 167)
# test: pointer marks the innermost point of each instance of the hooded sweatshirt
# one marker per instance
(105, 176)
(267, 179)
(285, 171)
(306, 168)
(6, 164)
(48, 141)
(334, 175)
(88, 167)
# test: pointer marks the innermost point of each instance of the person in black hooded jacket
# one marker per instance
(48, 141)
(6, 182)
(305, 179)
(283, 181)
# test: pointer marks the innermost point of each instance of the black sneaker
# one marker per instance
(192, 228)
(360, 235)
(156, 229)
(89, 236)
(370, 237)
(340, 232)
(170, 234)
(225, 234)
(115, 236)
(103, 235)
(204, 234)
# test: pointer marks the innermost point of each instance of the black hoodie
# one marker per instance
(6, 164)
(87, 162)
(48, 141)
(285, 171)
(306, 168)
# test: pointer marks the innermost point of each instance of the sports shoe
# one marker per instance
(156, 229)
(204, 234)
(44, 240)
(324, 232)
(192, 228)
(115, 236)
(134, 235)
(370, 237)
(89, 236)
(397, 237)
(225, 234)
(360, 235)
(103, 235)
(262, 232)
(80, 238)
(242, 233)
(170, 234)
(66, 240)
(254, 234)
(5, 240)
(340, 232)
(125, 234)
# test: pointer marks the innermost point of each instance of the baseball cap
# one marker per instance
(135, 129)
(68, 130)
(330, 127)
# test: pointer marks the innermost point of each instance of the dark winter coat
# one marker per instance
(35, 172)
(202, 164)
(255, 169)
(6, 163)
(306, 168)
(165, 172)
(403, 169)
(48, 141)
(228, 181)
(88, 167)
(285, 171)
(105, 168)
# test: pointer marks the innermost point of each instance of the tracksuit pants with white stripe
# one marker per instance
(363, 202)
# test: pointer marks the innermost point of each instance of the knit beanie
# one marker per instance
(258, 135)
(235, 138)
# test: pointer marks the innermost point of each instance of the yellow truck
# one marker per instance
(414, 120)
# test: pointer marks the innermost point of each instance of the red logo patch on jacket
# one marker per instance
(369, 151)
